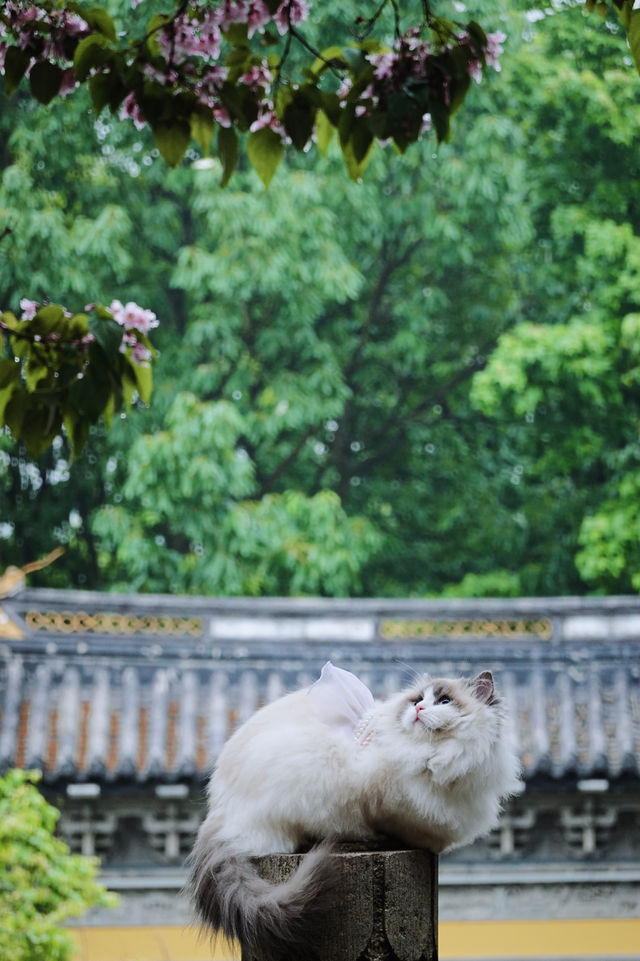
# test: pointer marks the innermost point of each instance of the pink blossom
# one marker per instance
(221, 116)
(259, 76)
(140, 354)
(268, 118)
(412, 39)
(29, 308)
(494, 49)
(344, 88)
(191, 38)
(290, 12)
(163, 77)
(474, 69)
(72, 23)
(216, 75)
(208, 87)
(232, 11)
(383, 63)
(369, 95)
(258, 15)
(132, 317)
(69, 82)
(131, 109)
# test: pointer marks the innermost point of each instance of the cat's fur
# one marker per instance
(429, 767)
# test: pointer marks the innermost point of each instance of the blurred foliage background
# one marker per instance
(424, 384)
(42, 883)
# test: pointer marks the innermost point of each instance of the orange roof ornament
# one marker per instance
(13, 581)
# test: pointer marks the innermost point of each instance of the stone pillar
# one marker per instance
(385, 907)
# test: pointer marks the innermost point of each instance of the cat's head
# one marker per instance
(450, 705)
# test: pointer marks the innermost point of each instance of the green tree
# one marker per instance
(343, 395)
(561, 386)
(324, 328)
(41, 883)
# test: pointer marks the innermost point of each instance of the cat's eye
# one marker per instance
(443, 699)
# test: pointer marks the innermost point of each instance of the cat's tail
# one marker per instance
(269, 920)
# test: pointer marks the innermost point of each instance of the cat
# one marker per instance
(428, 767)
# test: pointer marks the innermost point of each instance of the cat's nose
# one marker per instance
(419, 707)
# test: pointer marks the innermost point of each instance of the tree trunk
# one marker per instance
(386, 908)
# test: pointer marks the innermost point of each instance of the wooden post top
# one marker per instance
(384, 906)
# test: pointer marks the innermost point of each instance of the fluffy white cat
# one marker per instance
(428, 767)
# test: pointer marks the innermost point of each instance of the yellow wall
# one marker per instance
(458, 940)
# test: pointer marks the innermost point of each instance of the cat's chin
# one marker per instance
(419, 727)
(424, 725)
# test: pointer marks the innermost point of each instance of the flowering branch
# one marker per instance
(60, 369)
(200, 70)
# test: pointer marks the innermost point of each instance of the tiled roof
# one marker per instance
(146, 689)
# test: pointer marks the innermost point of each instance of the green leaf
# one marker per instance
(92, 51)
(10, 320)
(299, 117)
(77, 430)
(47, 319)
(9, 381)
(201, 123)
(324, 132)
(106, 90)
(144, 381)
(355, 59)
(172, 139)
(38, 427)
(5, 396)
(332, 55)
(14, 411)
(9, 372)
(346, 123)
(356, 165)
(227, 152)
(45, 80)
(16, 62)
(77, 326)
(129, 385)
(440, 118)
(34, 371)
(284, 96)
(98, 19)
(157, 21)
(237, 34)
(332, 107)
(631, 21)
(361, 142)
(108, 335)
(89, 393)
(477, 35)
(265, 151)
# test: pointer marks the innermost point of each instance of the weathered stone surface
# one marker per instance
(384, 909)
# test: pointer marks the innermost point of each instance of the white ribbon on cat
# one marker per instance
(343, 702)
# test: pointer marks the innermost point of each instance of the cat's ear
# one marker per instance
(483, 688)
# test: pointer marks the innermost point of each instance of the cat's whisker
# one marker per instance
(413, 675)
